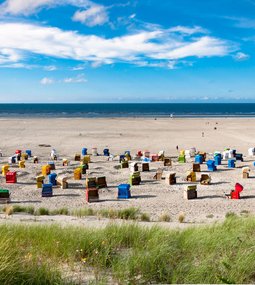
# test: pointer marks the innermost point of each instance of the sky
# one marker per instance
(127, 51)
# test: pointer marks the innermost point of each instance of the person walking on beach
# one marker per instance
(203, 134)
(177, 148)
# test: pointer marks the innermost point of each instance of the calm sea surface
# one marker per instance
(127, 110)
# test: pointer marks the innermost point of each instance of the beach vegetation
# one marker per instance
(165, 218)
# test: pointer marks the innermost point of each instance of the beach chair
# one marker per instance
(211, 165)
(246, 172)
(52, 165)
(205, 179)
(167, 161)
(77, 173)
(53, 154)
(161, 155)
(45, 170)
(196, 167)
(191, 176)
(84, 168)
(35, 159)
(251, 151)
(91, 182)
(154, 157)
(235, 194)
(190, 192)
(4, 196)
(203, 155)
(127, 156)
(199, 159)
(84, 151)
(86, 159)
(145, 166)
(239, 156)
(106, 152)
(22, 164)
(24, 156)
(158, 175)
(29, 152)
(135, 178)
(5, 169)
(146, 153)
(124, 164)
(101, 182)
(62, 182)
(217, 159)
(133, 167)
(124, 191)
(170, 178)
(11, 177)
(92, 195)
(94, 151)
(47, 190)
(65, 162)
(139, 153)
(39, 181)
(181, 159)
(52, 179)
(231, 163)
(12, 159)
(77, 157)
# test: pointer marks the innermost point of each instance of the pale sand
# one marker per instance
(68, 136)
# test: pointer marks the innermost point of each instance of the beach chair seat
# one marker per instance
(145, 166)
(65, 162)
(62, 182)
(22, 164)
(170, 178)
(91, 182)
(106, 152)
(52, 165)
(231, 163)
(94, 151)
(77, 174)
(191, 176)
(246, 172)
(154, 157)
(161, 155)
(205, 179)
(158, 175)
(45, 170)
(124, 164)
(39, 181)
(84, 151)
(77, 157)
(196, 167)
(4, 196)
(5, 169)
(47, 190)
(11, 177)
(190, 192)
(235, 194)
(239, 156)
(92, 195)
(53, 179)
(86, 159)
(24, 156)
(167, 161)
(124, 191)
(217, 159)
(133, 166)
(101, 182)
(135, 178)
(35, 159)
(211, 165)
(29, 152)
(203, 155)
(181, 159)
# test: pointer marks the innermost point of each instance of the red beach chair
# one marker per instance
(235, 194)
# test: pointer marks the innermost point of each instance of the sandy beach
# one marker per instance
(68, 136)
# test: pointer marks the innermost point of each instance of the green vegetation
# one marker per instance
(128, 254)
(165, 218)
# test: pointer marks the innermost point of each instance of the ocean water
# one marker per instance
(127, 110)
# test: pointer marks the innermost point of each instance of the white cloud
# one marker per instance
(96, 15)
(50, 68)
(159, 44)
(188, 30)
(78, 79)
(47, 81)
(240, 56)
(8, 55)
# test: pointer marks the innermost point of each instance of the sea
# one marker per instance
(172, 110)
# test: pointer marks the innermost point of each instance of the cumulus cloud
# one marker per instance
(96, 15)
(78, 79)
(240, 56)
(20, 39)
(46, 81)
(91, 14)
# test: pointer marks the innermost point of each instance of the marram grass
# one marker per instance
(129, 254)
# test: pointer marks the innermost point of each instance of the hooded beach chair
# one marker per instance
(190, 192)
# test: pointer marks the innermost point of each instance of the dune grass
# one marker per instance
(130, 254)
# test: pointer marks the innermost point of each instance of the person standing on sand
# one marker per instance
(177, 148)
(203, 134)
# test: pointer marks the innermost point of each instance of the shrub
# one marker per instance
(181, 218)
(42, 212)
(145, 217)
(165, 218)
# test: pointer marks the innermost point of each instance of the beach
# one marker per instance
(69, 135)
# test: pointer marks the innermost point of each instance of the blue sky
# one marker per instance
(127, 51)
